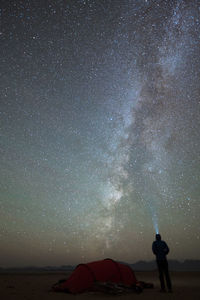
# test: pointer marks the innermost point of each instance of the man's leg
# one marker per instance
(168, 280)
(160, 270)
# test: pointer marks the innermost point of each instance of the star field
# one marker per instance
(100, 122)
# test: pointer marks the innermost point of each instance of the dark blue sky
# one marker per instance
(100, 122)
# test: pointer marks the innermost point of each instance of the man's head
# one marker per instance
(158, 237)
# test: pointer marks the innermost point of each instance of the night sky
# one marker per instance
(100, 130)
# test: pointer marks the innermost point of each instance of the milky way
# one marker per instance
(100, 122)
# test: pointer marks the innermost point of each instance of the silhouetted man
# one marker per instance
(160, 249)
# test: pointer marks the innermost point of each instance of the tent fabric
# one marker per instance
(106, 270)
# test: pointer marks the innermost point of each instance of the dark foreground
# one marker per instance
(186, 285)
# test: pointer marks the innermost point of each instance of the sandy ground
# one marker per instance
(32, 286)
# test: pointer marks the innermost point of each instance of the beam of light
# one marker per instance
(154, 216)
(155, 222)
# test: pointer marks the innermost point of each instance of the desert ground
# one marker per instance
(32, 286)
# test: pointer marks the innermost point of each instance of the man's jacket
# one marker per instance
(160, 249)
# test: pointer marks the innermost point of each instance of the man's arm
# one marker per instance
(166, 249)
(154, 248)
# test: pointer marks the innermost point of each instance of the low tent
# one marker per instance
(107, 270)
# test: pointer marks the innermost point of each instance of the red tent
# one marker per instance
(106, 270)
